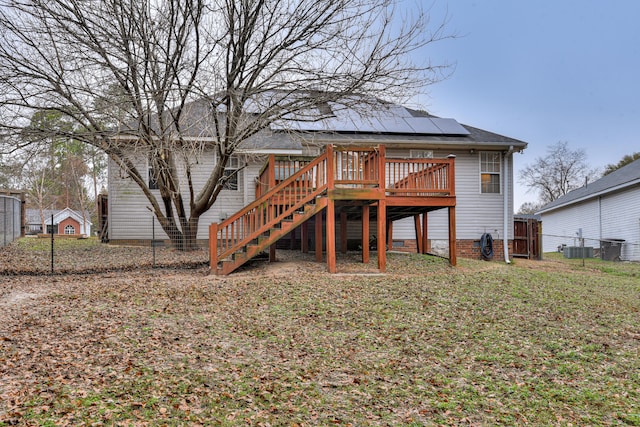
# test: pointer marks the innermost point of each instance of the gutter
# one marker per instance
(505, 233)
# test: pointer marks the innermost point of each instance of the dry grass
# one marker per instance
(534, 343)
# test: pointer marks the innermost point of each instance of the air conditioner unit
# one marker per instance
(578, 252)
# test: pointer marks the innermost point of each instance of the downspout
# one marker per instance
(505, 233)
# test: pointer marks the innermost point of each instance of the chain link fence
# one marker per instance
(609, 249)
(10, 215)
(145, 246)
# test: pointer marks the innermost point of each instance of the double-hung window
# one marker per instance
(231, 174)
(490, 164)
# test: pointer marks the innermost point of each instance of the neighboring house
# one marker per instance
(482, 196)
(65, 221)
(605, 211)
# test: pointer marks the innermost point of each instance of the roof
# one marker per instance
(356, 119)
(33, 215)
(527, 216)
(625, 177)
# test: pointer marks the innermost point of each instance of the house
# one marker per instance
(65, 221)
(605, 213)
(466, 176)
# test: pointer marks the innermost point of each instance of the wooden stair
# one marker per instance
(270, 217)
(260, 244)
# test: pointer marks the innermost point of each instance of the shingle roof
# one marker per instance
(367, 119)
(624, 177)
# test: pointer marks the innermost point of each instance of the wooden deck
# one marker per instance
(344, 183)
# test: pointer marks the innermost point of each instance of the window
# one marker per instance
(421, 154)
(231, 174)
(69, 229)
(153, 176)
(490, 172)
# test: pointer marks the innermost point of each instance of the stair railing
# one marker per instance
(268, 210)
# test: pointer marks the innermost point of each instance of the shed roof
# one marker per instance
(625, 177)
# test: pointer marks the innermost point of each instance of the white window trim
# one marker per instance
(69, 227)
(481, 172)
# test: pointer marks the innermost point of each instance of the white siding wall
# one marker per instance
(621, 220)
(476, 213)
(561, 226)
(129, 217)
(613, 216)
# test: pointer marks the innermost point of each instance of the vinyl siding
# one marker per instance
(621, 220)
(561, 227)
(611, 216)
(130, 218)
(476, 213)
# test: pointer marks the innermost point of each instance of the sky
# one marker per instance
(542, 72)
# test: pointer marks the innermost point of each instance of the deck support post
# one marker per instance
(343, 232)
(382, 232)
(418, 227)
(318, 230)
(331, 236)
(272, 248)
(452, 236)
(389, 236)
(304, 237)
(213, 247)
(272, 253)
(425, 233)
(330, 229)
(365, 234)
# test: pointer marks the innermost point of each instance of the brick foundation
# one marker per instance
(465, 248)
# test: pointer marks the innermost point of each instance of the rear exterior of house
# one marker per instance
(483, 180)
(605, 213)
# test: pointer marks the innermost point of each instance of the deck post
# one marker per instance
(213, 247)
(292, 238)
(318, 226)
(343, 232)
(272, 171)
(304, 237)
(382, 232)
(330, 229)
(331, 236)
(452, 236)
(389, 234)
(425, 233)
(418, 227)
(365, 234)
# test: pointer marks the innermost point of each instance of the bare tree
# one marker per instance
(176, 77)
(529, 208)
(559, 172)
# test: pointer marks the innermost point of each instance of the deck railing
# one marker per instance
(420, 177)
(359, 168)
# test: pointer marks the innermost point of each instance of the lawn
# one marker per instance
(481, 344)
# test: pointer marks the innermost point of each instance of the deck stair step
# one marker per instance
(246, 252)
